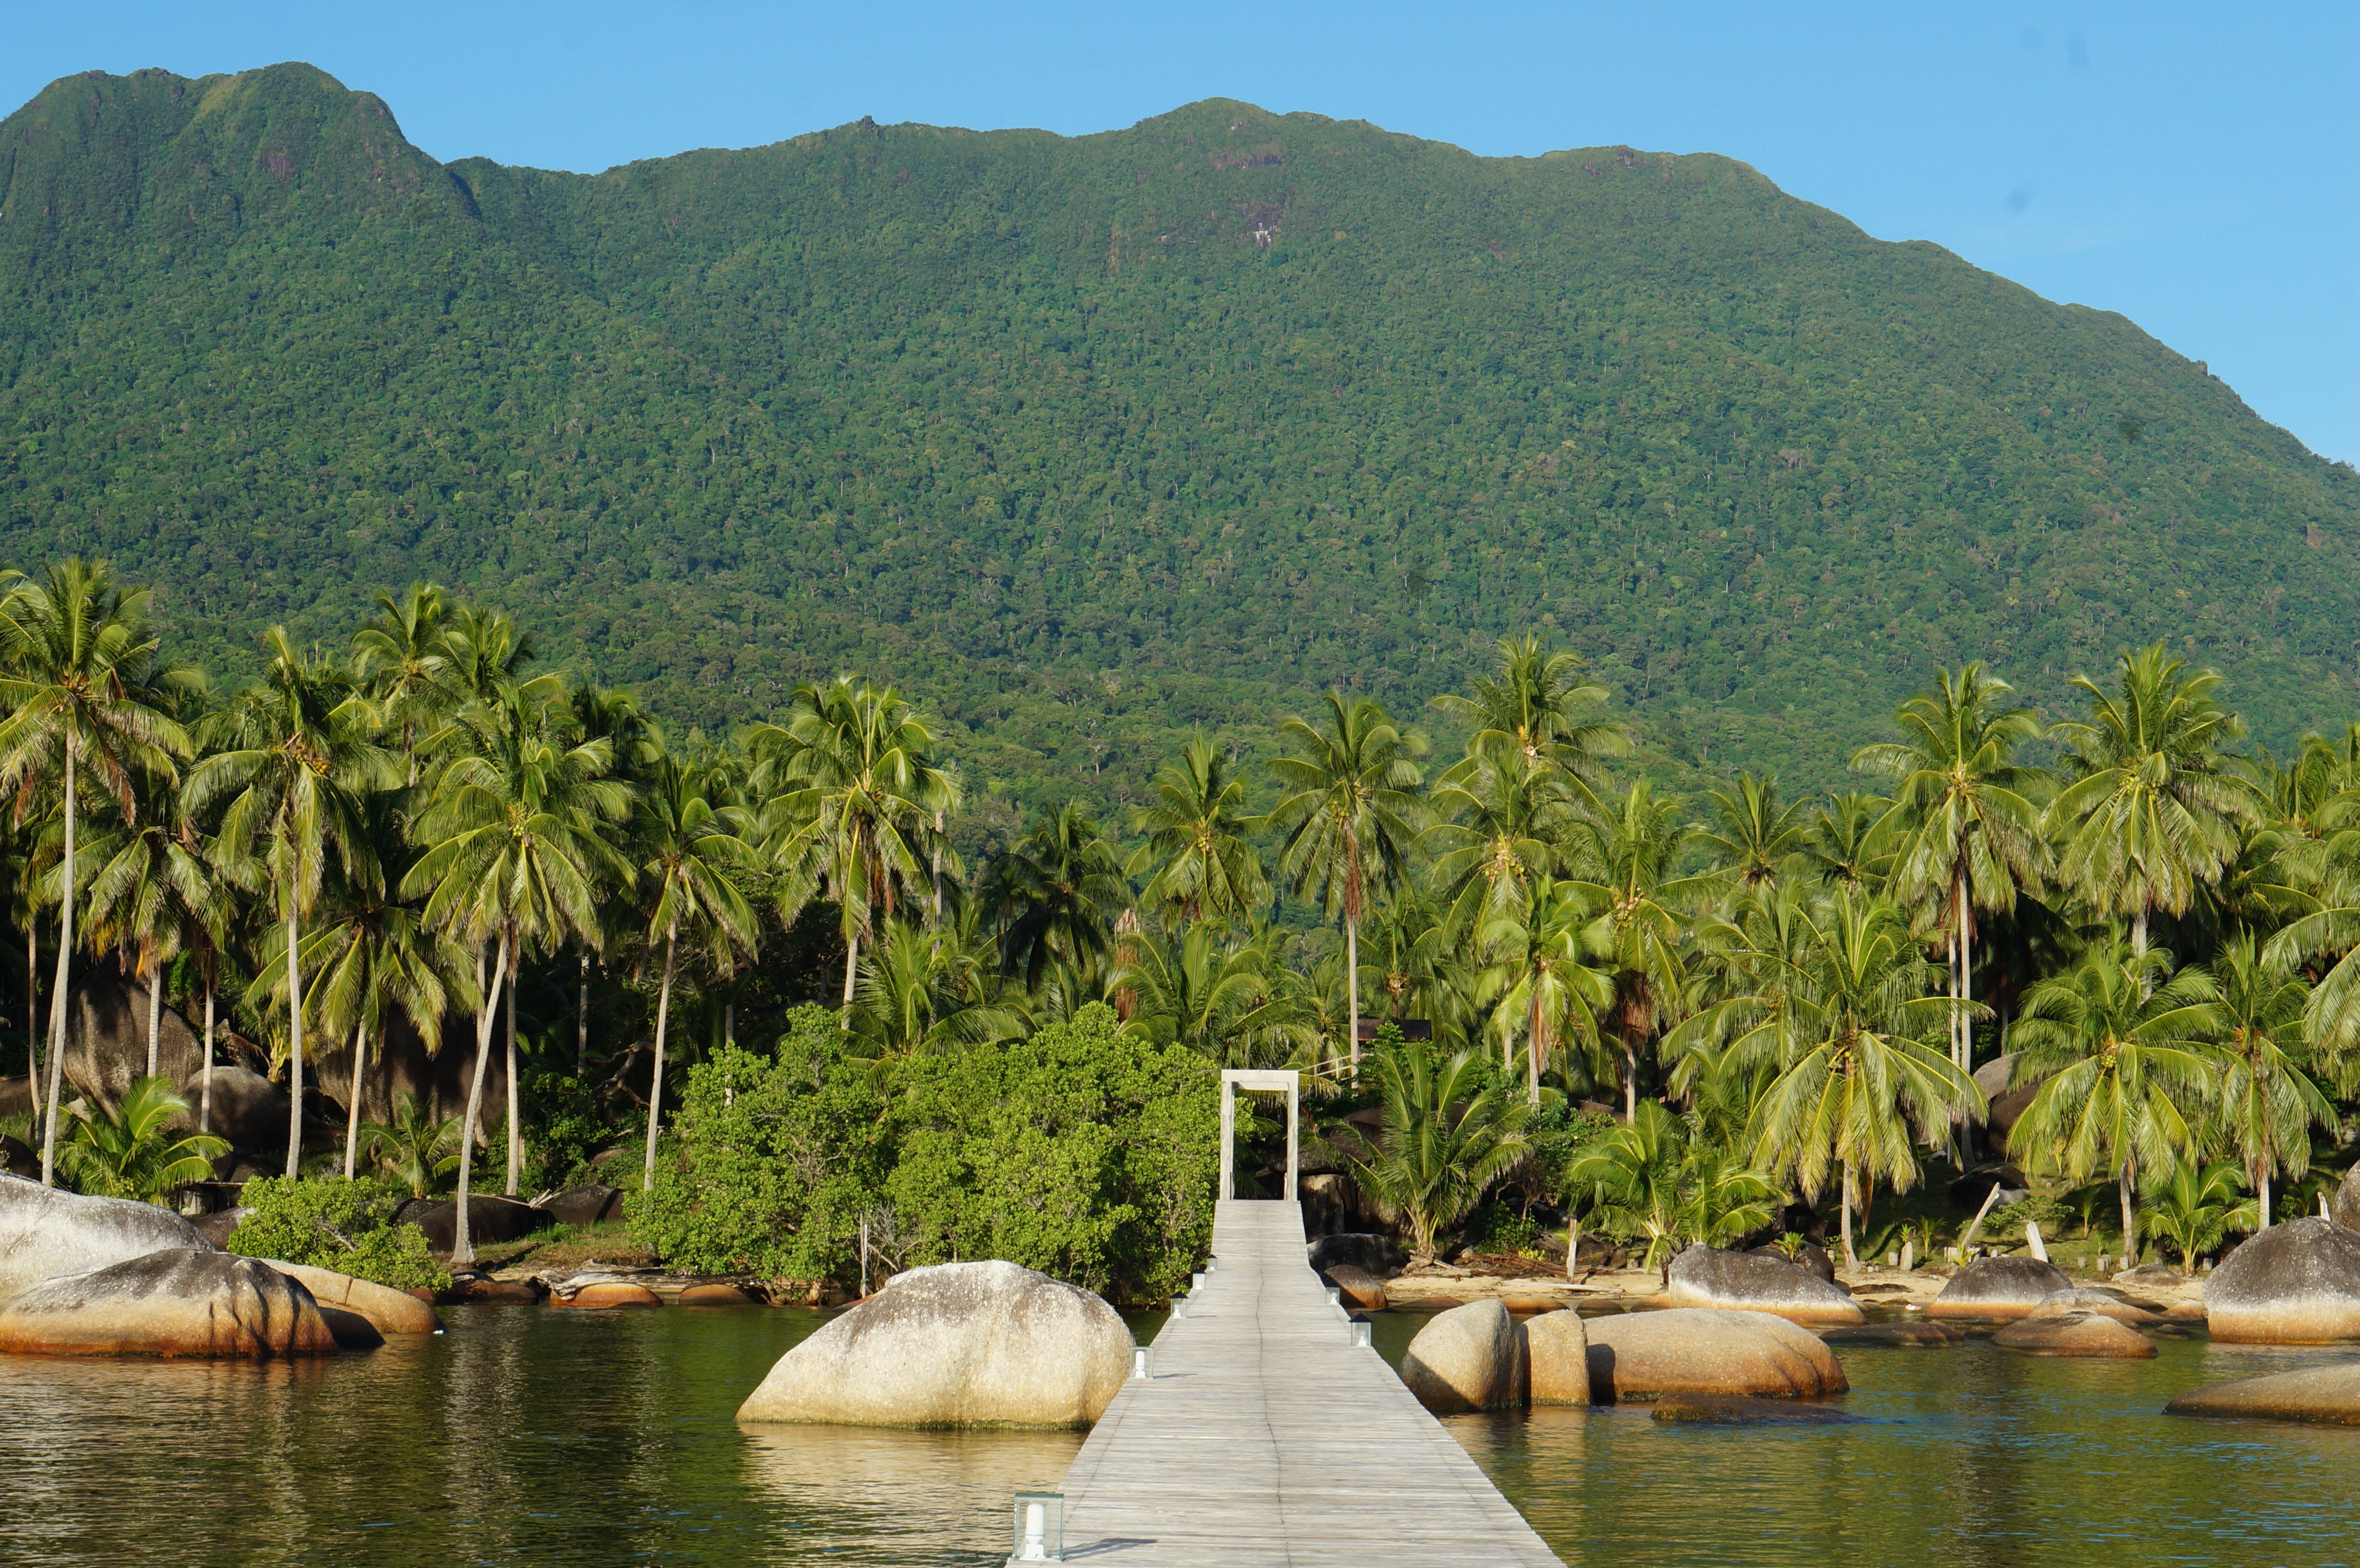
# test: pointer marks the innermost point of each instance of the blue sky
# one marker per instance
(2195, 168)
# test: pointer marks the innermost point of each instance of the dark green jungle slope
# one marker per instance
(1088, 440)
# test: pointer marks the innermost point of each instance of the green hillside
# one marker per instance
(1090, 440)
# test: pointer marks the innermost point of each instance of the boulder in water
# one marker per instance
(1362, 1290)
(1693, 1350)
(45, 1232)
(1557, 1355)
(1810, 1257)
(1999, 1288)
(957, 1345)
(2297, 1283)
(1747, 1281)
(178, 1302)
(2328, 1394)
(1738, 1409)
(1912, 1332)
(2094, 1299)
(1378, 1255)
(1468, 1358)
(605, 1295)
(387, 1310)
(715, 1296)
(2074, 1332)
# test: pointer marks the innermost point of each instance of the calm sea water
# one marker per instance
(525, 1436)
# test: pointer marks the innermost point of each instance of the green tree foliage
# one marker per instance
(1097, 438)
(1450, 1130)
(1084, 1151)
(132, 1151)
(334, 1223)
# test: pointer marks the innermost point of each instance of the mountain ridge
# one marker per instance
(1090, 440)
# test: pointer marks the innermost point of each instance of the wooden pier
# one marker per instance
(1265, 1438)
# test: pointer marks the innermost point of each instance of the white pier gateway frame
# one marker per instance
(1260, 1080)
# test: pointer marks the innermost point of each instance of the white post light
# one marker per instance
(1179, 1307)
(1040, 1528)
(1360, 1337)
(1142, 1363)
(1196, 1280)
(1335, 1297)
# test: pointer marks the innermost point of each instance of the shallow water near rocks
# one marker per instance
(526, 1435)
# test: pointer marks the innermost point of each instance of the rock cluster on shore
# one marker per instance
(1756, 1281)
(2296, 1283)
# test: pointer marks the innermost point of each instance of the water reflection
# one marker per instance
(904, 1494)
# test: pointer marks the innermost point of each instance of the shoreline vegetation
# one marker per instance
(752, 981)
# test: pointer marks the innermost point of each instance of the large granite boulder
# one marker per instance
(1747, 1281)
(2074, 1332)
(959, 1344)
(2094, 1299)
(1468, 1358)
(1913, 1333)
(45, 1232)
(1696, 1350)
(2343, 1208)
(2329, 1394)
(491, 1219)
(585, 1205)
(2297, 1283)
(387, 1310)
(178, 1302)
(1999, 1288)
(1359, 1290)
(1378, 1255)
(1810, 1257)
(1557, 1358)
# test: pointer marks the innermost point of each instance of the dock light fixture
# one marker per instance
(1040, 1534)
(1361, 1339)
(1335, 1297)
(1179, 1307)
(1196, 1280)
(1142, 1363)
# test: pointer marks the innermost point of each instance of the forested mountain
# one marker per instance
(1088, 440)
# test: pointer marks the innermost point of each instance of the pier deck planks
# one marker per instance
(1264, 1438)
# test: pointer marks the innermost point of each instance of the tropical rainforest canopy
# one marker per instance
(1099, 440)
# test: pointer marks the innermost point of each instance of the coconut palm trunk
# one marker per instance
(1352, 986)
(2130, 1215)
(2261, 1176)
(516, 1129)
(155, 1007)
(353, 1098)
(664, 1017)
(294, 1041)
(1851, 1260)
(1532, 1049)
(58, 991)
(205, 1108)
(33, 997)
(462, 1246)
(582, 1021)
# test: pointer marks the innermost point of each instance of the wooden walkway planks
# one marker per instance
(1264, 1438)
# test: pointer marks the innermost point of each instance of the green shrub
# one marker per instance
(330, 1223)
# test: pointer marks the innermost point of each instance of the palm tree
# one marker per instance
(2194, 1206)
(1201, 862)
(152, 892)
(86, 700)
(2267, 1103)
(298, 757)
(687, 858)
(1542, 973)
(414, 1149)
(1631, 1175)
(1631, 869)
(516, 836)
(1446, 1136)
(1844, 844)
(1963, 825)
(1349, 813)
(924, 992)
(1501, 828)
(1857, 1085)
(1756, 832)
(1533, 710)
(856, 797)
(130, 1152)
(1057, 892)
(2118, 1049)
(2153, 809)
(1224, 996)
(405, 657)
